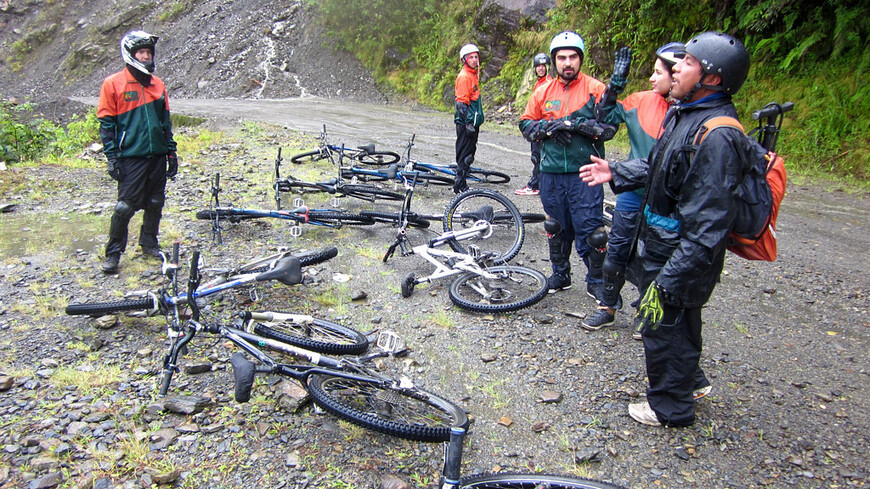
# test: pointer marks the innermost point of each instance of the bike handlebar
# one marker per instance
(772, 110)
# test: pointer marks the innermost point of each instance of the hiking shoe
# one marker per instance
(110, 264)
(555, 283)
(643, 413)
(595, 291)
(527, 191)
(702, 392)
(602, 317)
(152, 252)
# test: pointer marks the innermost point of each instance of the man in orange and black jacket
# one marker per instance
(137, 140)
(468, 113)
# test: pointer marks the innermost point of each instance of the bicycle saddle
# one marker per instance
(485, 213)
(367, 148)
(288, 271)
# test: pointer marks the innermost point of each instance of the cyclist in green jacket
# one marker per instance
(137, 140)
(468, 113)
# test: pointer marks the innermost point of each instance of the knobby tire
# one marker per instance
(488, 176)
(513, 288)
(367, 192)
(340, 218)
(507, 223)
(307, 157)
(411, 414)
(531, 481)
(321, 336)
(103, 308)
(378, 158)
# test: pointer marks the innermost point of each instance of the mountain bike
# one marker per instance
(349, 388)
(281, 266)
(365, 154)
(475, 174)
(302, 214)
(480, 285)
(451, 477)
(334, 186)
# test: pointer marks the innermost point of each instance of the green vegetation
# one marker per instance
(411, 47)
(25, 137)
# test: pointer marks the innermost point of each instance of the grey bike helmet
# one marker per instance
(671, 53)
(134, 41)
(723, 55)
(540, 59)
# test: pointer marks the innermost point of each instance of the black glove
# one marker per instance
(114, 169)
(470, 128)
(561, 137)
(621, 65)
(556, 126)
(171, 165)
(535, 131)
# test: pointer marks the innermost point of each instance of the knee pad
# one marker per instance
(611, 268)
(155, 203)
(598, 239)
(125, 210)
(552, 227)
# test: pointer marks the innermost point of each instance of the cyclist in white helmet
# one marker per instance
(468, 113)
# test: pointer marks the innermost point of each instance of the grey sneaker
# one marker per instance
(595, 291)
(602, 317)
(556, 283)
(643, 413)
(110, 264)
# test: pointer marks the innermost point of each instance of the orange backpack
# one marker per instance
(753, 236)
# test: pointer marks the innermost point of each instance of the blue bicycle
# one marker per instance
(365, 154)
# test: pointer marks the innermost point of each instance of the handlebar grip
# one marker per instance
(194, 266)
(772, 110)
(279, 153)
(164, 382)
(413, 137)
(260, 316)
(175, 247)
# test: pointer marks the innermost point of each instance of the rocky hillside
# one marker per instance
(207, 49)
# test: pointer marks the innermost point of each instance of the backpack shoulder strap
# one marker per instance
(713, 123)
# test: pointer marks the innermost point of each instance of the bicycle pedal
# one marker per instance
(390, 342)
(474, 251)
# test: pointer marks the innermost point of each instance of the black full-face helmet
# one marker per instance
(134, 41)
(723, 55)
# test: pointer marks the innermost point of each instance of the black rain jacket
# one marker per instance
(690, 203)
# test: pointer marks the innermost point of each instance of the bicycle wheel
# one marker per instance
(378, 158)
(339, 219)
(506, 231)
(321, 336)
(411, 414)
(103, 308)
(228, 214)
(393, 218)
(298, 187)
(487, 176)
(512, 288)
(308, 157)
(369, 193)
(531, 481)
(533, 217)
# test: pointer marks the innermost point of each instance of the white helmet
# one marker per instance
(466, 50)
(134, 41)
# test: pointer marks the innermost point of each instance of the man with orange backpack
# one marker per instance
(688, 212)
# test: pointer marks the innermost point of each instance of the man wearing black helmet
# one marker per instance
(540, 64)
(137, 140)
(688, 211)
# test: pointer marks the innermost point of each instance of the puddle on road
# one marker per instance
(22, 235)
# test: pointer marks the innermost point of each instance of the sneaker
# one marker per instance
(643, 413)
(527, 191)
(555, 283)
(110, 264)
(602, 317)
(151, 251)
(702, 392)
(595, 291)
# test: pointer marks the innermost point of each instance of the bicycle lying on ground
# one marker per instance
(451, 474)
(347, 387)
(475, 174)
(364, 154)
(332, 218)
(334, 186)
(167, 300)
